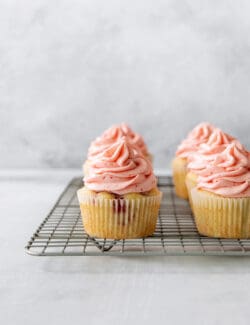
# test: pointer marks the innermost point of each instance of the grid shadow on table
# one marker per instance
(62, 233)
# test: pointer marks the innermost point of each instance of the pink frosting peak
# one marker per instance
(207, 152)
(120, 169)
(229, 174)
(113, 134)
(199, 135)
(217, 139)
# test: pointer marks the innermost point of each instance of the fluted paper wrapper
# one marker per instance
(222, 217)
(119, 218)
(179, 168)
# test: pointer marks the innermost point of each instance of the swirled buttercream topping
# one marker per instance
(207, 152)
(120, 169)
(112, 135)
(217, 139)
(229, 174)
(200, 134)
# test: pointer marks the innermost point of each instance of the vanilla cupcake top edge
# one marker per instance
(200, 134)
(112, 135)
(121, 168)
(228, 175)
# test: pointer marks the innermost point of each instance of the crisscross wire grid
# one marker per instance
(62, 233)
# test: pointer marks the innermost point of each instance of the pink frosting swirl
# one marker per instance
(216, 140)
(120, 169)
(200, 134)
(207, 152)
(229, 174)
(112, 135)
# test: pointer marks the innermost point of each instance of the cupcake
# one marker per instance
(112, 135)
(221, 199)
(206, 153)
(200, 134)
(120, 198)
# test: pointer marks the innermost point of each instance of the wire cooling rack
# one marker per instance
(62, 233)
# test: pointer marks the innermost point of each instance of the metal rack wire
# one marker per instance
(62, 233)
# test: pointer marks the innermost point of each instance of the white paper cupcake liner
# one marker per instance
(219, 216)
(119, 218)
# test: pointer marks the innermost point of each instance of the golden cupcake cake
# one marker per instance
(112, 135)
(120, 198)
(221, 199)
(199, 135)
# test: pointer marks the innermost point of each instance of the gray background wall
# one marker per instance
(69, 69)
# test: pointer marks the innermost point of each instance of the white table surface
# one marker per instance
(105, 290)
